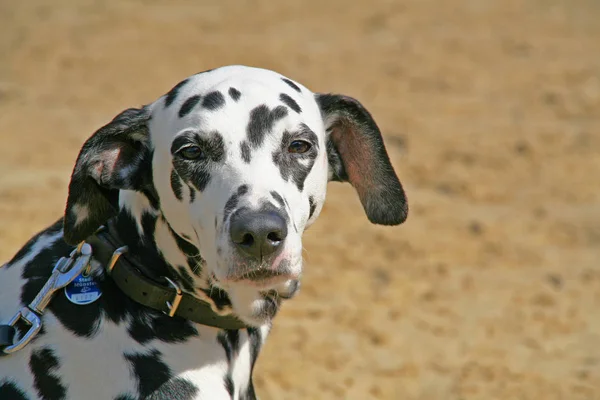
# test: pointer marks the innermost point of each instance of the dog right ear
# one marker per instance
(110, 160)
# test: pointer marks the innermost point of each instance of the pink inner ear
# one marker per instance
(104, 164)
(357, 156)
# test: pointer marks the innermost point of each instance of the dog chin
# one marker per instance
(253, 307)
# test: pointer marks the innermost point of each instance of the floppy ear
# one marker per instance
(110, 160)
(357, 155)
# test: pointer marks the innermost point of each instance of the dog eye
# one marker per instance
(191, 153)
(299, 146)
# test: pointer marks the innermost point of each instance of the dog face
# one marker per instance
(236, 161)
(240, 165)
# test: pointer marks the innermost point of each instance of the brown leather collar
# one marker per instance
(167, 297)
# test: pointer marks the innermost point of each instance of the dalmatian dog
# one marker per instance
(192, 210)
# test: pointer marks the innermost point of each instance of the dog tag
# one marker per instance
(83, 290)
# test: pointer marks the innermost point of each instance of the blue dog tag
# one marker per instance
(83, 290)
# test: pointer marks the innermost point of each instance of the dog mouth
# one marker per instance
(261, 275)
(260, 278)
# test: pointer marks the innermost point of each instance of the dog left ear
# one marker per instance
(109, 160)
(357, 155)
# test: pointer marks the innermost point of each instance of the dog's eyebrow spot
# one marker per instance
(292, 85)
(188, 105)
(245, 150)
(291, 103)
(234, 93)
(213, 101)
(176, 185)
(172, 95)
(312, 206)
(261, 121)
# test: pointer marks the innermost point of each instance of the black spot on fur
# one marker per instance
(250, 394)
(172, 95)
(234, 93)
(146, 185)
(176, 185)
(149, 225)
(178, 388)
(292, 85)
(10, 391)
(255, 344)
(153, 325)
(192, 194)
(230, 340)
(186, 280)
(125, 397)
(312, 205)
(188, 105)
(230, 205)
(278, 199)
(233, 201)
(234, 340)
(245, 150)
(291, 103)
(192, 253)
(229, 386)
(213, 101)
(149, 371)
(218, 296)
(201, 180)
(269, 306)
(261, 122)
(44, 365)
(184, 245)
(296, 166)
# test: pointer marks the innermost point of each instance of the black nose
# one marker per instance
(257, 233)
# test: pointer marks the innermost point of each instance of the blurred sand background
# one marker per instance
(491, 111)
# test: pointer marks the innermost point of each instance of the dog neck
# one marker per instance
(158, 248)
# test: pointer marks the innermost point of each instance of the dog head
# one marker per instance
(236, 161)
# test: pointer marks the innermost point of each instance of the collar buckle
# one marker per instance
(115, 256)
(173, 306)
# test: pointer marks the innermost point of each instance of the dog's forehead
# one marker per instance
(228, 99)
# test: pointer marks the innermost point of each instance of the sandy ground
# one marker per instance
(491, 111)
